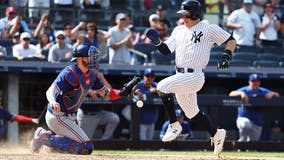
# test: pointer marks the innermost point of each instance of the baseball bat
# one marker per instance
(41, 117)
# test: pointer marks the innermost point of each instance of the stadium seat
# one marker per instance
(265, 63)
(159, 59)
(247, 49)
(268, 56)
(216, 55)
(241, 63)
(244, 56)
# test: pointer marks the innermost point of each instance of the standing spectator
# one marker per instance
(37, 8)
(119, 41)
(148, 113)
(161, 12)
(186, 132)
(246, 25)
(6, 116)
(97, 115)
(250, 120)
(270, 27)
(25, 49)
(44, 25)
(44, 44)
(233, 5)
(60, 51)
(13, 23)
(154, 21)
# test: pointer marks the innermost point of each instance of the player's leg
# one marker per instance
(110, 120)
(84, 122)
(256, 132)
(150, 131)
(143, 130)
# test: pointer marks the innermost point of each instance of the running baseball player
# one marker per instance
(65, 96)
(192, 43)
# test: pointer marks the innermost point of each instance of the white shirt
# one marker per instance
(20, 51)
(269, 33)
(250, 21)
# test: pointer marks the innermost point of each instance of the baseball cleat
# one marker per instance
(172, 132)
(36, 142)
(218, 141)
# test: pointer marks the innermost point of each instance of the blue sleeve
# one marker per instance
(66, 80)
(6, 115)
(25, 26)
(97, 84)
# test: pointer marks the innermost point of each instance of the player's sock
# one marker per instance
(202, 121)
(168, 101)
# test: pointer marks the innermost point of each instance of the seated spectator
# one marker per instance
(163, 31)
(16, 38)
(44, 44)
(25, 49)
(60, 51)
(161, 12)
(153, 22)
(269, 27)
(44, 25)
(13, 23)
(186, 132)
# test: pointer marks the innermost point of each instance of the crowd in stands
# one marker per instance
(257, 24)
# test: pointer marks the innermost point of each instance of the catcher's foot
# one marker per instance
(128, 87)
(172, 132)
(36, 143)
(218, 141)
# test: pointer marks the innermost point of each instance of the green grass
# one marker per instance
(201, 153)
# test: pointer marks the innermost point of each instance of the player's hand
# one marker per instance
(55, 107)
(35, 120)
(224, 63)
(154, 36)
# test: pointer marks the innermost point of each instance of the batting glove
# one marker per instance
(224, 63)
(154, 36)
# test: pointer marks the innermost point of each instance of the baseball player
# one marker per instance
(66, 95)
(192, 43)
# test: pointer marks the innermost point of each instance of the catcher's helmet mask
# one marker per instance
(192, 7)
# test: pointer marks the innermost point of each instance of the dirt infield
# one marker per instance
(23, 154)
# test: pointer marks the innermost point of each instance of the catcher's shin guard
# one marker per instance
(128, 88)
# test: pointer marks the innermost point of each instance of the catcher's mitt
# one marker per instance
(129, 89)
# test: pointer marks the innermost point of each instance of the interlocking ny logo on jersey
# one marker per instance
(196, 37)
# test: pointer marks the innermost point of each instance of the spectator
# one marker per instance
(163, 31)
(270, 27)
(246, 25)
(212, 6)
(25, 49)
(161, 12)
(154, 21)
(97, 115)
(16, 38)
(148, 113)
(119, 41)
(44, 44)
(60, 51)
(233, 5)
(13, 23)
(69, 37)
(250, 119)
(44, 25)
(37, 8)
(145, 4)
(6, 116)
(276, 134)
(186, 132)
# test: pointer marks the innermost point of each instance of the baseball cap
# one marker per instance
(179, 112)
(17, 34)
(149, 71)
(11, 10)
(160, 7)
(153, 16)
(275, 123)
(58, 33)
(247, 1)
(120, 16)
(254, 77)
(25, 35)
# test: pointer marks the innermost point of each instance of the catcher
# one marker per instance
(66, 95)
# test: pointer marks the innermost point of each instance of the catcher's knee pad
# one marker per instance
(88, 148)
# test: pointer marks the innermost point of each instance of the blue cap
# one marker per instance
(254, 77)
(179, 112)
(149, 71)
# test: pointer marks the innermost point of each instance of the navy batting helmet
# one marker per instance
(86, 51)
(193, 7)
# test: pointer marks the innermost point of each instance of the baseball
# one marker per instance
(139, 104)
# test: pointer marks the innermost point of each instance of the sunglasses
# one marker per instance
(60, 37)
(26, 39)
(122, 19)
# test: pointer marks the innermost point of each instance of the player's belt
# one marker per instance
(61, 113)
(184, 70)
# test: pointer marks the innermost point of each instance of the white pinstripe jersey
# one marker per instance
(192, 45)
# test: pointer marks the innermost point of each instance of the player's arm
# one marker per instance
(51, 97)
(155, 38)
(227, 55)
(25, 119)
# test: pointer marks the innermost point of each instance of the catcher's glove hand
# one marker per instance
(130, 87)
